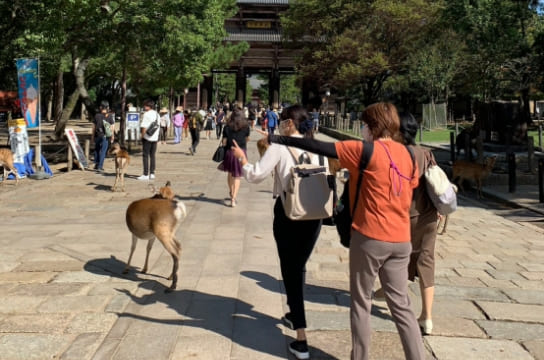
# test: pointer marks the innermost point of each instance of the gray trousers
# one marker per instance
(369, 258)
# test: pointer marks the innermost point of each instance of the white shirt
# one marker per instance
(277, 157)
(149, 117)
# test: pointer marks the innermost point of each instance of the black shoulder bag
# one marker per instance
(343, 218)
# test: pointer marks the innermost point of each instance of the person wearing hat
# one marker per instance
(165, 124)
(179, 120)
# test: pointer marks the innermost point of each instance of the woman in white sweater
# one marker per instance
(295, 240)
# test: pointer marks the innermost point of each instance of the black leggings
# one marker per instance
(295, 241)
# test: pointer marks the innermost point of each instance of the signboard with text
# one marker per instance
(78, 151)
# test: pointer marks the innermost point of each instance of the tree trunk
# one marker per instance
(123, 122)
(59, 96)
(66, 113)
(80, 66)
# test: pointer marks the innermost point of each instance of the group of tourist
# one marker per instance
(393, 229)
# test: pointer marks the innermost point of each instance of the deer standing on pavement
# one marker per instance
(122, 159)
(156, 218)
(6, 161)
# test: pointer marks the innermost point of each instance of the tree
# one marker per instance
(354, 44)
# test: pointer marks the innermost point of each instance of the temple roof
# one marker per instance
(264, 2)
(258, 35)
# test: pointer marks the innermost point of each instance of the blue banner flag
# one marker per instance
(29, 91)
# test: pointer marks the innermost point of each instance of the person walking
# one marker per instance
(186, 115)
(295, 240)
(219, 122)
(165, 124)
(195, 125)
(99, 134)
(380, 238)
(179, 124)
(209, 124)
(237, 129)
(149, 142)
(272, 117)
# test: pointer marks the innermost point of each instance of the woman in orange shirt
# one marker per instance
(380, 239)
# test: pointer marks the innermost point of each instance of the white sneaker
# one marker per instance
(143, 177)
(151, 176)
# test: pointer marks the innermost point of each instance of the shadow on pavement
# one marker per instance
(229, 317)
(311, 293)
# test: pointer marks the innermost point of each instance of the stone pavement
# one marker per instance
(62, 294)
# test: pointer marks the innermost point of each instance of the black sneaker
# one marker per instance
(287, 322)
(299, 349)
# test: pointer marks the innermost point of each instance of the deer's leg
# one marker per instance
(479, 186)
(123, 179)
(148, 250)
(166, 237)
(132, 248)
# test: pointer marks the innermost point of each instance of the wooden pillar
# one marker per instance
(240, 88)
(206, 93)
(274, 89)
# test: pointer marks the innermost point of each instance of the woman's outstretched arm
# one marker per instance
(324, 148)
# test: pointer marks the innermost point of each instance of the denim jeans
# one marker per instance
(177, 134)
(100, 149)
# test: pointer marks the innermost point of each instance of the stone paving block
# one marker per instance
(218, 285)
(91, 323)
(500, 284)
(214, 315)
(54, 266)
(60, 304)
(20, 304)
(451, 325)
(44, 254)
(8, 266)
(506, 266)
(32, 346)
(257, 337)
(81, 277)
(221, 265)
(536, 348)
(446, 348)
(32, 323)
(5, 288)
(513, 312)
(117, 304)
(255, 256)
(320, 302)
(159, 340)
(472, 273)
(533, 275)
(26, 277)
(205, 347)
(83, 347)
(448, 307)
(505, 275)
(529, 284)
(533, 267)
(327, 320)
(517, 331)
(470, 293)
(51, 289)
(465, 281)
(526, 296)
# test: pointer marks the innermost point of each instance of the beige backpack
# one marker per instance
(309, 194)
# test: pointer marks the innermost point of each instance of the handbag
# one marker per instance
(152, 128)
(219, 154)
(439, 188)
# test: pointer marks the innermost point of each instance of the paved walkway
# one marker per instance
(65, 242)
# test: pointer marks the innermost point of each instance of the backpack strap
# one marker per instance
(298, 158)
(368, 149)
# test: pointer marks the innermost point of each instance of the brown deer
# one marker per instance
(6, 161)
(164, 192)
(156, 218)
(122, 159)
(464, 170)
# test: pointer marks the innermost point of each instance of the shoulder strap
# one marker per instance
(368, 149)
(294, 155)
(413, 156)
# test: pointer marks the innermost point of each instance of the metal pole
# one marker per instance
(511, 172)
(39, 150)
(540, 135)
(541, 180)
(452, 147)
